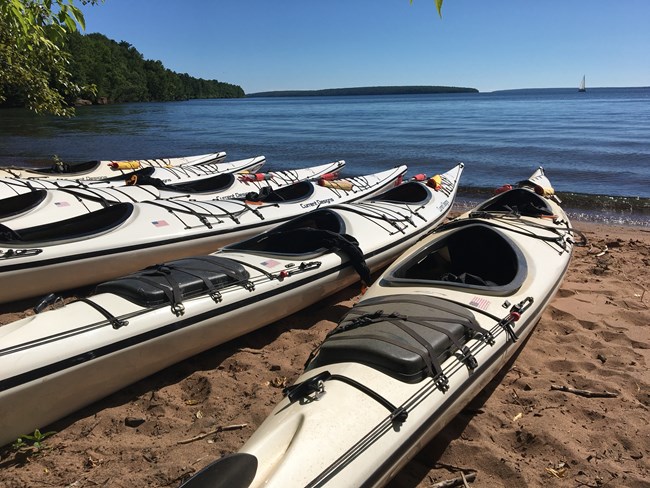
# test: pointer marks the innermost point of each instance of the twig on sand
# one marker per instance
(459, 481)
(250, 350)
(216, 430)
(585, 393)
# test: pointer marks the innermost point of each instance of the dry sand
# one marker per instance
(518, 432)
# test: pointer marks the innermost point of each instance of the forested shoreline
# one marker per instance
(119, 73)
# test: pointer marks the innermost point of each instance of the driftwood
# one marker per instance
(585, 393)
(216, 430)
(460, 481)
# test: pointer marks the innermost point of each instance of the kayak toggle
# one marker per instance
(514, 315)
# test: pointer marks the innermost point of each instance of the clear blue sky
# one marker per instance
(307, 44)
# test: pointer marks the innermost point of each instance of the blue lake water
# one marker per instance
(594, 146)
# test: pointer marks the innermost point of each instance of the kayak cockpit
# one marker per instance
(305, 236)
(75, 228)
(67, 168)
(203, 185)
(143, 176)
(520, 201)
(292, 193)
(19, 204)
(409, 192)
(407, 337)
(475, 257)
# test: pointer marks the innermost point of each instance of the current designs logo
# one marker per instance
(317, 203)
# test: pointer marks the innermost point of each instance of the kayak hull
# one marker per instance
(418, 347)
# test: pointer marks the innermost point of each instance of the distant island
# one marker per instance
(365, 90)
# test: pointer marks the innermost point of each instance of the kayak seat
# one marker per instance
(409, 192)
(19, 204)
(291, 193)
(176, 280)
(389, 334)
(521, 200)
(75, 228)
(475, 256)
(300, 236)
(204, 185)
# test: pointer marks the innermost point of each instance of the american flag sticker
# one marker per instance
(269, 263)
(480, 303)
(159, 223)
(62, 204)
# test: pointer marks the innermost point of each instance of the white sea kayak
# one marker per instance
(125, 237)
(139, 324)
(41, 206)
(106, 169)
(11, 186)
(430, 333)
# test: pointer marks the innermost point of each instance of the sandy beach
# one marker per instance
(519, 432)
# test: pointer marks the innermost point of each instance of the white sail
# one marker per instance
(582, 88)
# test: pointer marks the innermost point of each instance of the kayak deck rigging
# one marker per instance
(405, 338)
(172, 282)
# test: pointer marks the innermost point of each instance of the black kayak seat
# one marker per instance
(204, 185)
(19, 204)
(186, 277)
(298, 237)
(291, 193)
(475, 256)
(382, 344)
(409, 192)
(75, 228)
(520, 200)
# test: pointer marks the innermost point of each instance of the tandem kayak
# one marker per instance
(141, 323)
(106, 169)
(41, 206)
(125, 237)
(429, 334)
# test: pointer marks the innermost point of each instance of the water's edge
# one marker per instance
(605, 209)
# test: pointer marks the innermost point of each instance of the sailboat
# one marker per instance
(582, 88)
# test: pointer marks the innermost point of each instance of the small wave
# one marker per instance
(605, 209)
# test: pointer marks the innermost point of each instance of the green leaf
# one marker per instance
(439, 7)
